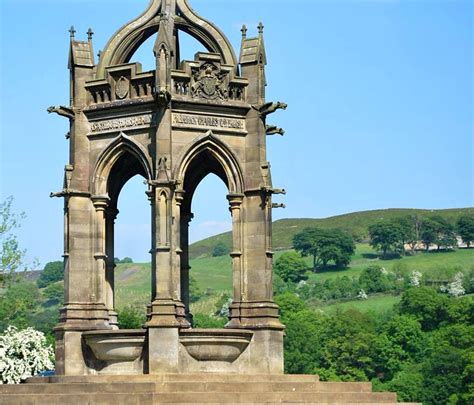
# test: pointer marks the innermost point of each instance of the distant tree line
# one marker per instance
(394, 236)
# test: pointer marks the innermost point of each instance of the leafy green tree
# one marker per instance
(445, 236)
(11, 255)
(127, 260)
(401, 342)
(53, 272)
(410, 228)
(407, 383)
(465, 227)
(303, 345)
(425, 305)
(54, 292)
(289, 303)
(131, 317)
(18, 305)
(349, 353)
(428, 232)
(373, 280)
(290, 266)
(208, 322)
(220, 249)
(449, 361)
(438, 231)
(386, 236)
(325, 245)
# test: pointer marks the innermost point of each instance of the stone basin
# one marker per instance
(116, 345)
(224, 345)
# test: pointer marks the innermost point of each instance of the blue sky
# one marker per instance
(380, 113)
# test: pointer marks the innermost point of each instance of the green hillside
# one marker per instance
(355, 223)
(214, 274)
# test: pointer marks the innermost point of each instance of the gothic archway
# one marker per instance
(208, 155)
(122, 160)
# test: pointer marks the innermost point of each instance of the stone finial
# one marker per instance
(260, 28)
(244, 31)
(90, 33)
(72, 31)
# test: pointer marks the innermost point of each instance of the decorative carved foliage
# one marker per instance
(210, 83)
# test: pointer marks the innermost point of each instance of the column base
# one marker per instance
(166, 314)
(83, 316)
(255, 315)
(113, 319)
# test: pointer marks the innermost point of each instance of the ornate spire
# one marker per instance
(260, 28)
(72, 32)
(90, 33)
(244, 31)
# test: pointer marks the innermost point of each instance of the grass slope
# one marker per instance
(355, 223)
(214, 275)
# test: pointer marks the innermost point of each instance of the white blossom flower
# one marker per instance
(23, 353)
(456, 288)
(362, 295)
(415, 278)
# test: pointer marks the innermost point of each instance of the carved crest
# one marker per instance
(121, 88)
(209, 83)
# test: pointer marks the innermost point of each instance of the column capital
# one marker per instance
(179, 195)
(101, 202)
(235, 200)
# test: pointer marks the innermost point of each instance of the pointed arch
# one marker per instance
(131, 36)
(208, 154)
(119, 162)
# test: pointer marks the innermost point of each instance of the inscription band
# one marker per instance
(121, 123)
(209, 122)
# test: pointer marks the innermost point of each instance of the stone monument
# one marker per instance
(173, 126)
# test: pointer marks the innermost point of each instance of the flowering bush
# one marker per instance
(456, 288)
(23, 353)
(415, 279)
(362, 295)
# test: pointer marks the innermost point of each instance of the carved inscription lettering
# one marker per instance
(208, 122)
(121, 123)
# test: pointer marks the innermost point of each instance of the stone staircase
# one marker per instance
(190, 389)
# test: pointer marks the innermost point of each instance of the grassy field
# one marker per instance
(355, 223)
(214, 275)
(376, 303)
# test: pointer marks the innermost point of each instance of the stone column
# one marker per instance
(238, 275)
(177, 257)
(82, 309)
(163, 308)
(185, 267)
(99, 288)
(163, 323)
(258, 309)
(111, 215)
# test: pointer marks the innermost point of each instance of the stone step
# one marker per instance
(184, 378)
(133, 398)
(177, 387)
(217, 387)
(272, 397)
(78, 388)
(130, 398)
